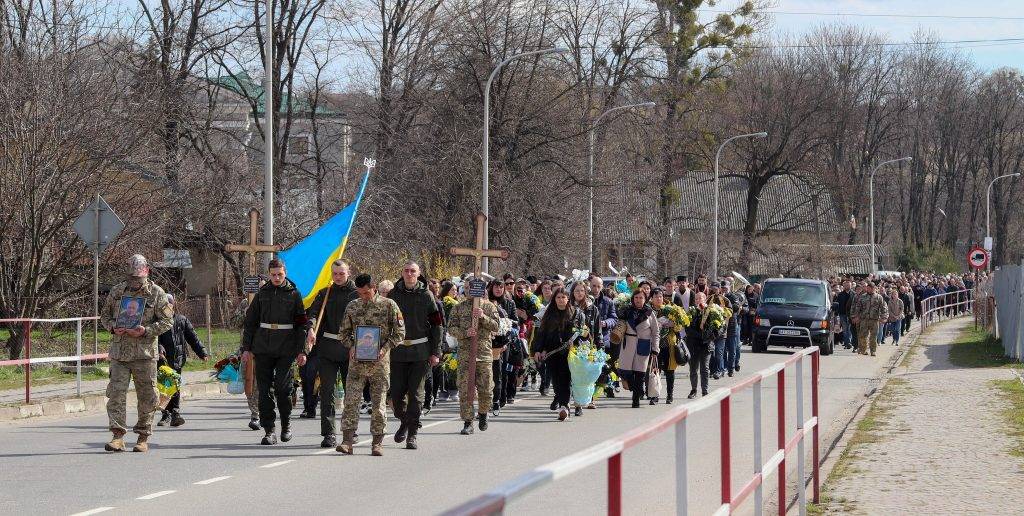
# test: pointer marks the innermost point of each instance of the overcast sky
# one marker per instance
(938, 16)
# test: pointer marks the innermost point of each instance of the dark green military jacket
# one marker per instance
(275, 306)
(340, 296)
(423, 320)
(157, 318)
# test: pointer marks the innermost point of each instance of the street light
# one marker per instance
(871, 190)
(988, 203)
(714, 252)
(487, 136)
(590, 218)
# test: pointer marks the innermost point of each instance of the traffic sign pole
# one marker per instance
(96, 279)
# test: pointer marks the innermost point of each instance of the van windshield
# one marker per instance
(800, 294)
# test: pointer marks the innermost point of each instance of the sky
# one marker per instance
(949, 20)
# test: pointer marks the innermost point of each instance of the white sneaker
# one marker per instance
(364, 408)
(454, 397)
(563, 413)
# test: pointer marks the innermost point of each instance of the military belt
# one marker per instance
(332, 336)
(413, 342)
(274, 326)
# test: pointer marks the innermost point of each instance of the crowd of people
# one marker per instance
(417, 342)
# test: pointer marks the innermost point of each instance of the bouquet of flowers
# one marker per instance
(226, 370)
(450, 364)
(623, 300)
(168, 381)
(585, 365)
(532, 300)
(676, 315)
(717, 318)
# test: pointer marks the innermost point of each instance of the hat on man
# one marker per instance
(138, 266)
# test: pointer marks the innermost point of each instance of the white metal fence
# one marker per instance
(1008, 289)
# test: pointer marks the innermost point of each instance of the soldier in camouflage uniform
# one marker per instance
(133, 353)
(369, 310)
(868, 311)
(460, 326)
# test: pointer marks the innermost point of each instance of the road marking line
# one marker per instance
(155, 495)
(276, 464)
(210, 481)
(360, 443)
(93, 511)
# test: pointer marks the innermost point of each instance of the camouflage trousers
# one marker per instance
(484, 388)
(144, 374)
(867, 336)
(254, 403)
(354, 394)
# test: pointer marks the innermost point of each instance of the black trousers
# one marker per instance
(700, 362)
(407, 381)
(274, 372)
(328, 370)
(175, 404)
(498, 375)
(309, 394)
(636, 380)
(558, 370)
(511, 381)
(670, 382)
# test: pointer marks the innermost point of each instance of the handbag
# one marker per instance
(618, 333)
(682, 357)
(653, 382)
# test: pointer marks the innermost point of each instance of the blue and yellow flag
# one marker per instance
(309, 261)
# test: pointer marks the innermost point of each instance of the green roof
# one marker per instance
(243, 85)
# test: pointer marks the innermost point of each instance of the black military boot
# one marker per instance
(254, 424)
(403, 430)
(329, 441)
(270, 439)
(164, 419)
(467, 428)
(410, 443)
(286, 432)
(176, 419)
(482, 418)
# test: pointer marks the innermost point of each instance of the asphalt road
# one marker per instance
(215, 464)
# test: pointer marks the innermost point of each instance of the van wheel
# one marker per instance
(829, 345)
(758, 346)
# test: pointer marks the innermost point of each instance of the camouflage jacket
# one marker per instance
(381, 312)
(157, 318)
(870, 307)
(461, 319)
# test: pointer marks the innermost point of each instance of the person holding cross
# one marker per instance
(464, 323)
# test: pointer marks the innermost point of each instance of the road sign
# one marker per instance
(250, 284)
(476, 287)
(978, 257)
(102, 231)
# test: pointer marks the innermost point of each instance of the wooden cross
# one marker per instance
(478, 253)
(253, 247)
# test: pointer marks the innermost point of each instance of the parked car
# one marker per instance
(794, 313)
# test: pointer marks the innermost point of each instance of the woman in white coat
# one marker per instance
(640, 344)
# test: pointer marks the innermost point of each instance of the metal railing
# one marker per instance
(496, 500)
(28, 361)
(945, 306)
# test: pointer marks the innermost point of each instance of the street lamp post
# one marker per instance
(714, 252)
(988, 204)
(487, 136)
(871, 193)
(590, 218)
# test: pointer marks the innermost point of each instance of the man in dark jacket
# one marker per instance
(845, 300)
(324, 347)
(174, 344)
(420, 350)
(732, 339)
(274, 333)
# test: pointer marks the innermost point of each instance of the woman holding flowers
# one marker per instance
(701, 335)
(673, 320)
(582, 302)
(641, 343)
(551, 347)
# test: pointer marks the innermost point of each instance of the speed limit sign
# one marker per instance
(978, 257)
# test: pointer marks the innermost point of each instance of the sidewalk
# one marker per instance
(934, 442)
(68, 390)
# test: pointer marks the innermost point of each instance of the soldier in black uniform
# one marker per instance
(421, 350)
(275, 333)
(326, 344)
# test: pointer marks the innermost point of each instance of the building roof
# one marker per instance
(243, 85)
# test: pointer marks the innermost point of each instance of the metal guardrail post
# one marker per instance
(682, 480)
(615, 485)
(725, 430)
(758, 450)
(27, 328)
(78, 353)
(801, 455)
(781, 406)
(815, 372)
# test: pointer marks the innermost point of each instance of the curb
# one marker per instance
(95, 403)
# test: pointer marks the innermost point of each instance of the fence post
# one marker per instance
(27, 329)
(723, 409)
(682, 494)
(78, 358)
(615, 485)
(781, 474)
(815, 372)
(758, 450)
(209, 325)
(801, 456)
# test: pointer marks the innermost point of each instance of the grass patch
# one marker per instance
(869, 430)
(1013, 391)
(976, 348)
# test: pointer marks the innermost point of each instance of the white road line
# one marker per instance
(360, 443)
(210, 481)
(155, 495)
(276, 464)
(93, 511)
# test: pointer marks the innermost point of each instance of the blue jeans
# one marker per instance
(847, 330)
(881, 333)
(719, 361)
(732, 352)
(895, 328)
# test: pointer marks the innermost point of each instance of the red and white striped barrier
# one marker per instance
(496, 500)
(28, 360)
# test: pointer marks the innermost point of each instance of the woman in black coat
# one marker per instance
(699, 343)
(551, 346)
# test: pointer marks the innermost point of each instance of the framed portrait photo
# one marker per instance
(130, 310)
(367, 343)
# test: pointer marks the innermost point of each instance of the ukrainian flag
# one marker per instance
(309, 261)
